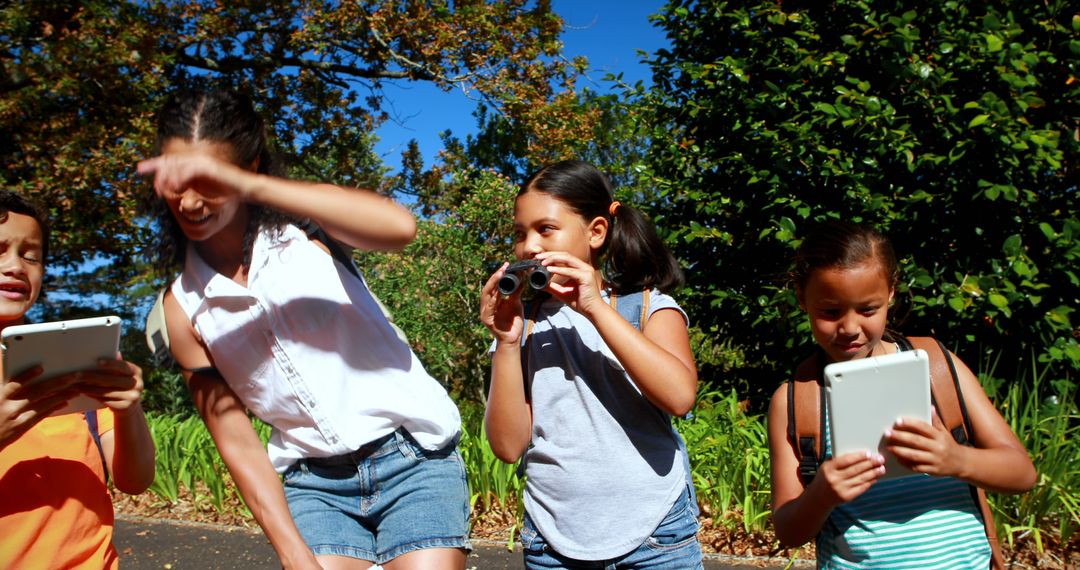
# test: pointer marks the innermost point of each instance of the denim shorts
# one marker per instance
(672, 546)
(388, 498)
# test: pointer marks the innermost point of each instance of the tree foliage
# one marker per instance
(952, 126)
(434, 284)
(80, 82)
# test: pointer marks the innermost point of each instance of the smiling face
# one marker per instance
(200, 210)
(545, 223)
(848, 308)
(22, 266)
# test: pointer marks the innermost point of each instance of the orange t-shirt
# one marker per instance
(55, 509)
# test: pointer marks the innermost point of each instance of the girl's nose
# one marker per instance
(190, 201)
(849, 324)
(532, 245)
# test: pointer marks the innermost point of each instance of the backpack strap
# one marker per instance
(949, 401)
(945, 388)
(92, 425)
(806, 417)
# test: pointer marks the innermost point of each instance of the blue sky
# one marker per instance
(607, 32)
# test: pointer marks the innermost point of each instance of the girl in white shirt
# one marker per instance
(263, 319)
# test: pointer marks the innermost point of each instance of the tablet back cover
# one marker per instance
(868, 395)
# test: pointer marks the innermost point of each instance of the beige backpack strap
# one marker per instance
(644, 308)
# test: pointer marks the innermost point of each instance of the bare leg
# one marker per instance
(429, 559)
(335, 562)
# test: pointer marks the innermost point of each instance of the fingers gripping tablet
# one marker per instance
(61, 347)
(867, 395)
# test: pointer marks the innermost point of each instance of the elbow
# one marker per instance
(788, 535)
(1028, 480)
(681, 402)
(682, 406)
(505, 452)
(403, 232)
(136, 483)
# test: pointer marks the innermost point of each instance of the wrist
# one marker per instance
(134, 410)
(508, 345)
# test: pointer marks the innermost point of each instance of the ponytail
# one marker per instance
(636, 258)
(633, 256)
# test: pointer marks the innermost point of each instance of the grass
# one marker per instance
(728, 450)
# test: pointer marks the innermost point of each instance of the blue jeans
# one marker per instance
(386, 499)
(672, 546)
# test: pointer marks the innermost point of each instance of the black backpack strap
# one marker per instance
(806, 417)
(92, 424)
(315, 232)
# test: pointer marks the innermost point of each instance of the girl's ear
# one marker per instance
(597, 232)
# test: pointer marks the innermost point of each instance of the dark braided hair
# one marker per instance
(633, 256)
(220, 116)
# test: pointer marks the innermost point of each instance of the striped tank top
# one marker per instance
(916, 522)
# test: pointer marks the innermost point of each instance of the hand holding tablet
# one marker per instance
(867, 396)
(60, 348)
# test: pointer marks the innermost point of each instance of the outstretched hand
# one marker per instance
(501, 314)
(924, 448)
(24, 403)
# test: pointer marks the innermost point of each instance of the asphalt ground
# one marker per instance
(153, 544)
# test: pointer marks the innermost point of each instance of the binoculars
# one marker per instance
(537, 274)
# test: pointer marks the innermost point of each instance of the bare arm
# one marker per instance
(798, 512)
(128, 447)
(240, 447)
(658, 359)
(359, 218)
(998, 462)
(508, 417)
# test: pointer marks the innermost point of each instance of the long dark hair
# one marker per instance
(633, 256)
(843, 245)
(220, 116)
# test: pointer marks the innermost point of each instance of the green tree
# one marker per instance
(434, 284)
(80, 81)
(952, 126)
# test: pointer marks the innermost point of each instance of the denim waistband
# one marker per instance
(366, 451)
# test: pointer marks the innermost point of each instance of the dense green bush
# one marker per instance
(952, 126)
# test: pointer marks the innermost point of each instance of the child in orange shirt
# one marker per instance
(55, 508)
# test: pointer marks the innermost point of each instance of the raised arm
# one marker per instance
(358, 218)
(659, 359)
(508, 417)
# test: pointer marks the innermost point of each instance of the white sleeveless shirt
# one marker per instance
(308, 350)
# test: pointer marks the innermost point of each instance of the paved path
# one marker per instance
(151, 544)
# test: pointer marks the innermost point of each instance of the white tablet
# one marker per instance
(61, 347)
(868, 395)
